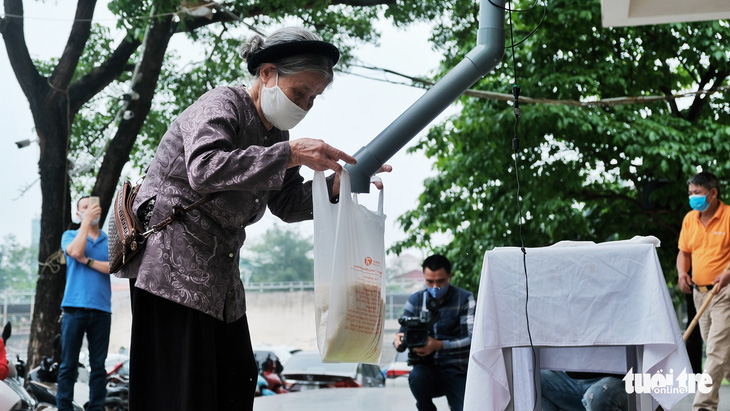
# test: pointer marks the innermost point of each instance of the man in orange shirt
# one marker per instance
(704, 246)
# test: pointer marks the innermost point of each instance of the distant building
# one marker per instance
(413, 275)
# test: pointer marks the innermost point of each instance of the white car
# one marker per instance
(282, 352)
(399, 367)
(306, 371)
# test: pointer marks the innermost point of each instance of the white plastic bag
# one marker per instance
(349, 285)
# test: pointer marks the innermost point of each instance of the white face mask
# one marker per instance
(78, 217)
(278, 109)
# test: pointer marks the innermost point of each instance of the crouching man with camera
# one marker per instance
(436, 327)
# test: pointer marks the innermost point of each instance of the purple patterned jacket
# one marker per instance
(217, 145)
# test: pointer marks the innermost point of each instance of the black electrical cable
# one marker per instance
(515, 10)
(510, 10)
(515, 149)
(544, 13)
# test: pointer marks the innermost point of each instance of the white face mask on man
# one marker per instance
(77, 217)
(278, 109)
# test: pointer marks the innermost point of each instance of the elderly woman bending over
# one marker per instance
(190, 347)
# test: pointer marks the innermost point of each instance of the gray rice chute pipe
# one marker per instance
(477, 63)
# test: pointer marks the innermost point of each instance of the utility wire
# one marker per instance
(491, 95)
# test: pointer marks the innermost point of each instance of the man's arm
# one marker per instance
(684, 262)
(100, 266)
(77, 248)
(466, 320)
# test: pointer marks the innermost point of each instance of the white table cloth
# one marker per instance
(597, 297)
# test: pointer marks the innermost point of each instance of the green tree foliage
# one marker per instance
(282, 254)
(593, 173)
(17, 270)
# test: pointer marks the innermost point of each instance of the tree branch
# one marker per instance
(11, 28)
(696, 108)
(117, 154)
(212, 52)
(97, 79)
(688, 70)
(588, 195)
(80, 32)
(192, 23)
(672, 100)
(228, 12)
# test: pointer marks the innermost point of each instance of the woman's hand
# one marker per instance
(317, 155)
(386, 168)
(378, 184)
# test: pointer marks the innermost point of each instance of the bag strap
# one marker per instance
(177, 213)
(380, 195)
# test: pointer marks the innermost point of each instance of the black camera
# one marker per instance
(417, 330)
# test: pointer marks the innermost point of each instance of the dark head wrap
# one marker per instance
(277, 52)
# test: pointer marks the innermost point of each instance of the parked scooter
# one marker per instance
(271, 369)
(117, 387)
(13, 397)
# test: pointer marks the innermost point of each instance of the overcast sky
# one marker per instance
(348, 115)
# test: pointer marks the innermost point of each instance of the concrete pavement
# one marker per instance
(686, 403)
(395, 397)
(391, 398)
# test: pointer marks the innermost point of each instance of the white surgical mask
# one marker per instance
(278, 109)
(78, 217)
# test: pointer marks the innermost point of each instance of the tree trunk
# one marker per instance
(51, 124)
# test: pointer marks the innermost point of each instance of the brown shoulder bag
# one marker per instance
(126, 233)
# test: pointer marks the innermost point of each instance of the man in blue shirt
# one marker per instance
(86, 306)
(441, 369)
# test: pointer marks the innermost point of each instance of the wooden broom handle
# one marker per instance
(697, 316)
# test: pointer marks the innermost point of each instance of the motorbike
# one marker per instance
(13, 396)
(271, 369)
(117, 387)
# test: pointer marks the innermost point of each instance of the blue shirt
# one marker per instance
(86, 287)
(454, 326)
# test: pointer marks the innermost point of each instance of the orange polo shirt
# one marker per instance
(709, 246)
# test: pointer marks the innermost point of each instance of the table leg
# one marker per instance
(635, 361)
(534, 388)
(507, 353)
(537, 380)
(632, 363)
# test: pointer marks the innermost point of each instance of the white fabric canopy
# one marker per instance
(598, 297)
